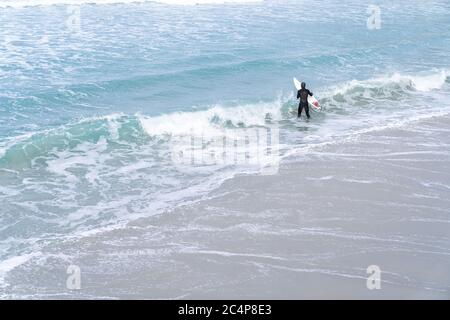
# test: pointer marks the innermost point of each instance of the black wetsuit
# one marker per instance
(302, 94)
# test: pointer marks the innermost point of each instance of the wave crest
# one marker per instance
(423, 83)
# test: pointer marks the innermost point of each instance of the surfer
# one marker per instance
(302, 94)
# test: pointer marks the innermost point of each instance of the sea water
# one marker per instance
(95, 94)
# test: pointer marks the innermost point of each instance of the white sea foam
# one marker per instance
(211, 121)
(11, 263)
(86, 154)
(422, 83)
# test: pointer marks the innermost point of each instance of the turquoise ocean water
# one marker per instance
(91, 96)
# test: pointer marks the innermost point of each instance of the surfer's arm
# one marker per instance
(298, 94)
(310, 93)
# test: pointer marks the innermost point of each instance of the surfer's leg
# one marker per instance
(300, 107)
(307, 111)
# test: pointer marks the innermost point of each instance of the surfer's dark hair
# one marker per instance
(303, 85)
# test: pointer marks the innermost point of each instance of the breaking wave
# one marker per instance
(354, 96)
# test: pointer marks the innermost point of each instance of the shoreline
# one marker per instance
(309, 232)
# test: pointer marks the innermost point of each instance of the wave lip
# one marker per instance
(212, 120)
(430, 82)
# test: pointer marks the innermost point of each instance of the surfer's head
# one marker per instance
(303, 85)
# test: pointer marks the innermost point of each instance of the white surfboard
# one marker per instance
(311, 99)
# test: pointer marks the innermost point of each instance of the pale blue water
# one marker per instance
(76, 153)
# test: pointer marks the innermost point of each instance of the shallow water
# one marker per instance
(93, 115)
